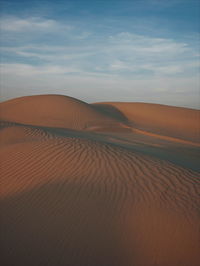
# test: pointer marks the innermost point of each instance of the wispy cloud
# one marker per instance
(20, 79)
(15, 24)
(123, 53)
(48, 55)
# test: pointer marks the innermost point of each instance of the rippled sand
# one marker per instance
(99, 184)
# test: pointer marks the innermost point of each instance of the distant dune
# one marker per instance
(106, 184)
(172, 121)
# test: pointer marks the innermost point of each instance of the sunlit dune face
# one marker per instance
(52, 111)
(171, 121)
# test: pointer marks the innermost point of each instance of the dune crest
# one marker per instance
(52, 111)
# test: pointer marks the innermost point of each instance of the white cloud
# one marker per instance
(123, 66)
(145, 44)
(122, 52)
(14, 24)
(27, 71)
(19, 79)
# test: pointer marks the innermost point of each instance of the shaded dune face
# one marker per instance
(76, 198)
(60, 223)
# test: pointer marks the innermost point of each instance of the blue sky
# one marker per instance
(144, 50)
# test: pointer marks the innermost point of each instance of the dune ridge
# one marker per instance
(80, 187)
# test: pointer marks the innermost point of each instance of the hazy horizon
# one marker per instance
(139, 51)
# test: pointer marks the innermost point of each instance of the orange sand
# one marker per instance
(99, 184)
(176, 122)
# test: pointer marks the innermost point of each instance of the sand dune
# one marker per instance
(166, 120)
(52, 111)
(75, 193)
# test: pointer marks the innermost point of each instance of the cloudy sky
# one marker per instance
(106, 50)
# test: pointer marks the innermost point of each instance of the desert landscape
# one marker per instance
(105, 184)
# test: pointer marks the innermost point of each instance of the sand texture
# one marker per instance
(104, 184)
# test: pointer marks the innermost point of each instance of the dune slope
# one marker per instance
(166, 120)
(72, 196)
(52, 111)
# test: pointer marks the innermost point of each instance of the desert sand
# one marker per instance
(105, 184)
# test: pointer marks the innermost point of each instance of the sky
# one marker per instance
(102, 50)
